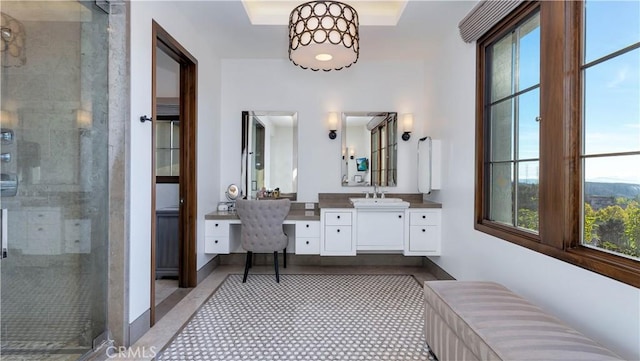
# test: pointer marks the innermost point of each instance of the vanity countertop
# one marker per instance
(295, 214)
(341, 200)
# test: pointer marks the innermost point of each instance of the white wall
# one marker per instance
(599, 307)
(277, 85)
(168, 15)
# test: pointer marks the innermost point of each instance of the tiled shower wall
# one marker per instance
(58, 220)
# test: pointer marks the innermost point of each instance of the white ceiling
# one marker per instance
(276, 12)
(420, 27)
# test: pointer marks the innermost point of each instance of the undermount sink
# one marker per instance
(378, 203)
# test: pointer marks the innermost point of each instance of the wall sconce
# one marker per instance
(352, 152)
(333, 125)
(407, 126)
(84, 119)
(8, 119)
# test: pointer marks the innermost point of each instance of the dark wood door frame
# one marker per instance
(188, 173)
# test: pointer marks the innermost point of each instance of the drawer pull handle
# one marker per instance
(338, 217)
(216, 241)
(216, 224)
(307, 242)
(40, 229)
(307, 226)
(399, 216)
(423, 217)
(424, 230)
(338, 231)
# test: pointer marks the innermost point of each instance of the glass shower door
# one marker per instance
(54, 178)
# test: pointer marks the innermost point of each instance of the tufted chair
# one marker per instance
(261, 229)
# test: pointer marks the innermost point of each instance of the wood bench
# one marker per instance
(486, 321)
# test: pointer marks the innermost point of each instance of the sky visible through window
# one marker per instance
(611, 93)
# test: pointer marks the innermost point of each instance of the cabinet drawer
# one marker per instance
(337, 218)
(424, 239)
(337, 238)
(45, 232)
(216, 228)
(43, 217)
(218, 245)
(424, 218)
(309, 245)
(308, 229)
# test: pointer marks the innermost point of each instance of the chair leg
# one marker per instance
(284, 256)
(275, 264)
(250, 259)
(247, 264)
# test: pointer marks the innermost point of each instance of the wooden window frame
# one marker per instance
(560, 185)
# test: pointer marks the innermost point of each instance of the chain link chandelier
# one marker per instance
(323, 35)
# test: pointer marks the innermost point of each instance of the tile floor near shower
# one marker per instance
(46, 309)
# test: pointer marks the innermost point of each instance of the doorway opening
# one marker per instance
(173, 201)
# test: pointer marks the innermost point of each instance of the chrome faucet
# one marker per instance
(375, 190)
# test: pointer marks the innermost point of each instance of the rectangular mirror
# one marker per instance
(369, 149)
(269, 154)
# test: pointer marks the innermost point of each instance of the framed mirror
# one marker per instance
(369, 149)
(269, 154)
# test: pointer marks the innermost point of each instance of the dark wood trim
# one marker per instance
(552, 175)
(561, 203)
(188, 161)
(167, 179)
(572, 113)
(154, 114)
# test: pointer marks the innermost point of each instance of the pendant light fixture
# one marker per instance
(323, 35)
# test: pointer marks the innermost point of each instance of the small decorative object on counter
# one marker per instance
(276, 193)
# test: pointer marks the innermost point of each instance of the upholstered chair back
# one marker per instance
(261, 229)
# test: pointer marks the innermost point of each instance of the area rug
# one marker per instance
(307, 317)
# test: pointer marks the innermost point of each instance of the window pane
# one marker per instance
(175, 162)
(502, 131)
(528, 127)
(163, 162)
(529, 53)
(501, 71)
(163, 134)
(175, 141)
(611, 111)
(527, 203)
(611, 215)
(501, 206)
(610, 26)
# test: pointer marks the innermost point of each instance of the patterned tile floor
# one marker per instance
(46, 309)
(307, 317)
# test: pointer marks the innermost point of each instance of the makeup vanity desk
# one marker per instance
(222, 231)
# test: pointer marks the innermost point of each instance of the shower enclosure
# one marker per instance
(54, 100)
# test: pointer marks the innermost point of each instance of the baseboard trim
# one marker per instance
(436, 270)
(206, 270)
(139, 327)
(372, 259)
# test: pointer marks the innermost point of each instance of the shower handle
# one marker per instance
(3, 230)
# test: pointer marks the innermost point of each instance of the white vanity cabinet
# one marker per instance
(380, 230)
(423, 232)
(337, 236)
(217, 238)
(307, 237)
